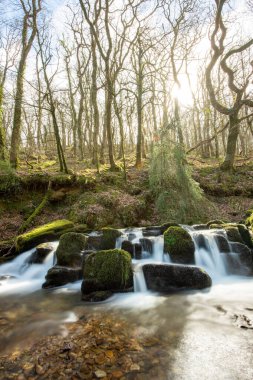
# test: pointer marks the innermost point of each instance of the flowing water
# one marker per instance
(209, 333)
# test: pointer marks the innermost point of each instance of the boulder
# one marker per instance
(147, 245)
(152, 231)
(201, 241)
(104, 239)
(42, 234)
(170, 277)
(240, 260)
(69, 251)
(165, 226)
(199, 227)
(128, 247)
(179, 244)
(58, 276)
(222, 243)
(41, 253)
(233, 234)
(216, 221)
(107, 270)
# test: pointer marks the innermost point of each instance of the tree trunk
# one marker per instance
(228, 164)
(2, 131)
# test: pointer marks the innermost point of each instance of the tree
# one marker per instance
(30, 9)
(239, 96)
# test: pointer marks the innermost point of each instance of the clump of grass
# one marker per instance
(9, 180)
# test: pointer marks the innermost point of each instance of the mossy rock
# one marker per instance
(42, 234)
(179, 244)
(165, 226)
(215, 222)
(107, 270)
(69, 250)
(110, 236)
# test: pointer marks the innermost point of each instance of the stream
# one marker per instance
(209, 334)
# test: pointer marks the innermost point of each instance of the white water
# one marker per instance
(24, 277)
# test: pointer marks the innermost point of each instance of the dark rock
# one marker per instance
(131, 236)
(107, 270)
(199, 227)
(104, 239)
(245, 235)
(137, 251)
(95, 242)
(7, 277)
(147, 245)
(58, 276)
(41, 253)
(233, 234)
(222, 243)
(201, 241)
(170, 277)
(69, 251)
(128, 246)
(98, 296)
(152, 231)
(179, 244)
(240, 261)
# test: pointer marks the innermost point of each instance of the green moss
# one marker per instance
(109, 269)
(216, 222)
(109, 237)
(178, 243)
(9, 180)
(69, 250)
(40, 234)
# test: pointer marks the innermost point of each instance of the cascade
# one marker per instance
(20, 276)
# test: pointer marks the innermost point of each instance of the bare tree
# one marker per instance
(240, 97)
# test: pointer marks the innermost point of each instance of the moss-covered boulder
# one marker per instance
(216, 221)
(236, 232)
(42, 234)
(69, 250)
(107, 270)
(110, 236)
(104, 239)
(179, 244)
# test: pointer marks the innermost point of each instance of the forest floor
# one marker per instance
(105, 199)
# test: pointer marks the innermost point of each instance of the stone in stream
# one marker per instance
(240, 260)
(137, 251)
(170, 277)
(198, 227)
(41, 253)
(128, 246)
(152, 231)
(69, 250)
(201, 241)
(179, 244)
(222, 243)
(107, 270)
(58, 276)
(104, 239)
(147, 245)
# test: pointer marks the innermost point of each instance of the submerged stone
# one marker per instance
(170, 277)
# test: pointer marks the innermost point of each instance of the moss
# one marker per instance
(69, 249)
(109, 237)
(9, 180)
(216, 221)
(41, 234)
(178, 243)
(108, 270)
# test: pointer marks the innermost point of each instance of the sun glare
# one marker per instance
(183, 94)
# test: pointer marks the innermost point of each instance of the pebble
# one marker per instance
(135, 367)
(100, 374)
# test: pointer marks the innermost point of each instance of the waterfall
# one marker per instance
(20, 276)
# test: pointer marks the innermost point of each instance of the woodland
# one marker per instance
(126, 197)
